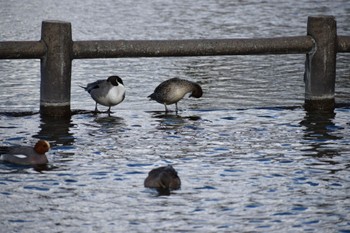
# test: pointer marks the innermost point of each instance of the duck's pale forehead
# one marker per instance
(44, 143)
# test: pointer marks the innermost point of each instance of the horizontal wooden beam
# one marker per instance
(22, 49)
(208, 47)
(168, 48)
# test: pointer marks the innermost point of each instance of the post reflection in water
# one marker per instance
(56, 130)
(319, 133)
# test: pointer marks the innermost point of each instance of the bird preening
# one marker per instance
(173, 90)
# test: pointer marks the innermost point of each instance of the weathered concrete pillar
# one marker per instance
(320, 65)
(56, 68)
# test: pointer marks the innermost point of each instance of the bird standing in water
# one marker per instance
(108, 92)
(173, 90)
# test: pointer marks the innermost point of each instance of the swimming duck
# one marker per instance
(26, 155)
(164, 179)
(173, 90)
(108, 92)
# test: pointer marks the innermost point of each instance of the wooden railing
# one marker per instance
(56, 50)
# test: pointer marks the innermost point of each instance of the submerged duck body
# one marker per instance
(26, 155)
(173, 90)
(108, 92)
(164, 179)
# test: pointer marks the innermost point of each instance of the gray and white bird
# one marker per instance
(108, 92)
(163, 179)
(173, 90)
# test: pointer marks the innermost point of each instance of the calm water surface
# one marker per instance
(249, 157)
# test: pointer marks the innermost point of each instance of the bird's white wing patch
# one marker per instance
(20, 156)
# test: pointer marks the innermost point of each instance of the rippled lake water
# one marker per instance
(249, 157)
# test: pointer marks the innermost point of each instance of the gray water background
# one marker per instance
(250, 158)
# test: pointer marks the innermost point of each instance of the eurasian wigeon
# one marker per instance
(173, 90)
(108, 92)
(163, 179)
(26, 155)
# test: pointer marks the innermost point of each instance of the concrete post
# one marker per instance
(56, 68)
(320, 65)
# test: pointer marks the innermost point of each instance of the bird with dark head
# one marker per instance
(163, 179)
(108, 92)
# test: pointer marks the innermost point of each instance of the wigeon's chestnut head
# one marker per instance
(42, 146)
